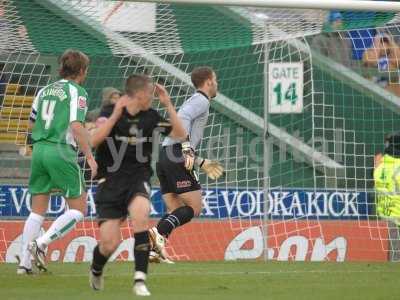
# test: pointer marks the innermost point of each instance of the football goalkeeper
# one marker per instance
(179, 183)
(387, 180)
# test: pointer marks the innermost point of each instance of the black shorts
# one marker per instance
(114, 195)
(171, 171)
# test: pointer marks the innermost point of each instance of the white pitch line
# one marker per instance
(223, 273)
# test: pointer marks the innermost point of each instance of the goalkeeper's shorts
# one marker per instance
(171, 171)
(387, 187)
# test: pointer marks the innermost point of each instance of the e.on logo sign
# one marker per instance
(313, 241)
(295, 247)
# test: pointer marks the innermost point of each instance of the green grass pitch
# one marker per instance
(216, 280)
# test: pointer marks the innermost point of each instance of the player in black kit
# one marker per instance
(124, 146)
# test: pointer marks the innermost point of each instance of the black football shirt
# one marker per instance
(127, 149)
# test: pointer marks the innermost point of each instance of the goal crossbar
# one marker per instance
(355, 5)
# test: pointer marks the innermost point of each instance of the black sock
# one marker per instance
(141, 251)
(99, 261)
(178, 217)
(164, 217)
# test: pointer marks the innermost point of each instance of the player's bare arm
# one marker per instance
(82, 138)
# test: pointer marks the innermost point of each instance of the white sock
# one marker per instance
(31, 231)
(140, 276)
(60, 227)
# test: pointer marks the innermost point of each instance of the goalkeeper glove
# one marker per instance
(212, 168)
(188, 155)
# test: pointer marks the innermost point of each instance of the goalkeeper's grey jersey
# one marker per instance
(194, 115)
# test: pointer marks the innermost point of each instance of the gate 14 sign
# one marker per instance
(285, 83)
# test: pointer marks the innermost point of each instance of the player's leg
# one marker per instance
(31, 231)
(183, 207)
(139, 211)
(109, 240)
(111, 198)
(66, 176)
(172, 202)
(39, 187)
(66, 222)
(182, 195)
(167, 187)
(175, 181)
